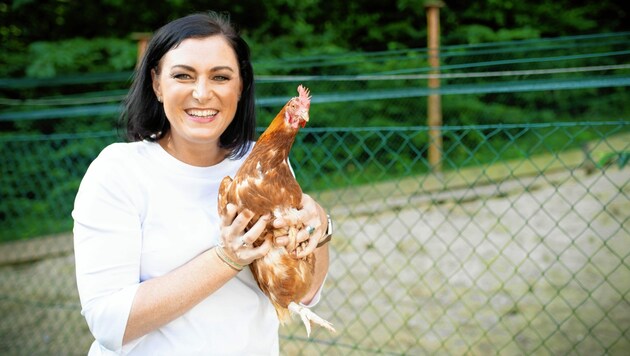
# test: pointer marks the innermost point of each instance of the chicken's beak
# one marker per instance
(304, 118)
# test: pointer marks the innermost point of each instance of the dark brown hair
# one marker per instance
(143, 116)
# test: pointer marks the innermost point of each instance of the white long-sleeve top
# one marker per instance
(140, 213)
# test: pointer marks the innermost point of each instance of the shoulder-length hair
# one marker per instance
(142, 115)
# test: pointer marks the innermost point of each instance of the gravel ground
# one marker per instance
(541, 267)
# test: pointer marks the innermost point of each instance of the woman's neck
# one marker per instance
(199, 155)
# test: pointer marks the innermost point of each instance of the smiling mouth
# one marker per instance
(202, 113)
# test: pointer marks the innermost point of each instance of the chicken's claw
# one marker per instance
(309, 316)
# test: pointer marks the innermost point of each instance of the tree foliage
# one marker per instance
(277, 28)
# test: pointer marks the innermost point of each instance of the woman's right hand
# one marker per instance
(238, 244)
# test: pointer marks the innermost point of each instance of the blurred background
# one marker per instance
(480, 187)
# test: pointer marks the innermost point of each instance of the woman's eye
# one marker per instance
(220, 78)
(181, 76)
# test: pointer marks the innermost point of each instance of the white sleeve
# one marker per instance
(317, 297)
(107, 246)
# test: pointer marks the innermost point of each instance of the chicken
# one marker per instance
(264, 184)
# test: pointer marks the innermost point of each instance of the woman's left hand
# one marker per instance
(313, 218)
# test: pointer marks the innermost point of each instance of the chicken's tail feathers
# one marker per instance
(309, 316)
(283, 315)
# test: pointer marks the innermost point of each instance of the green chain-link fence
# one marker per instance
(521, 245)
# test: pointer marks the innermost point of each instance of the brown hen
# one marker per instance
(265, 185)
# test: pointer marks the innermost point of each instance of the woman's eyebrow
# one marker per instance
(183, 66)
(217, 68)
(214, 69)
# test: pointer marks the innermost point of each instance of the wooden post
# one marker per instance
(143, 39)
(434, 103)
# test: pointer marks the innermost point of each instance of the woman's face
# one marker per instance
(199, 84)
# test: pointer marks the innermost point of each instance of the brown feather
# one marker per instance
(264, 185)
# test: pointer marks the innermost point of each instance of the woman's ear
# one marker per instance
(155, 81)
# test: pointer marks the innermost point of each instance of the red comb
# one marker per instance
(305, 95)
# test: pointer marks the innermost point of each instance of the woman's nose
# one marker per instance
(202, 91)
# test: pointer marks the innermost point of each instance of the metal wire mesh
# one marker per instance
(521, 245)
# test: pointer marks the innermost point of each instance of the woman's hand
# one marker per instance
(238, 244)
(313, 217)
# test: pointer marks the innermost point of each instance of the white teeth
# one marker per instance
(202, 113)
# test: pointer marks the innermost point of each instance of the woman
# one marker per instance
(146, 221)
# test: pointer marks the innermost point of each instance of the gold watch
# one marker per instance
(328, 235)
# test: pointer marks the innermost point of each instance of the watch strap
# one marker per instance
(328, 235)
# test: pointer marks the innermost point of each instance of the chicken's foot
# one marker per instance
(307, 316)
